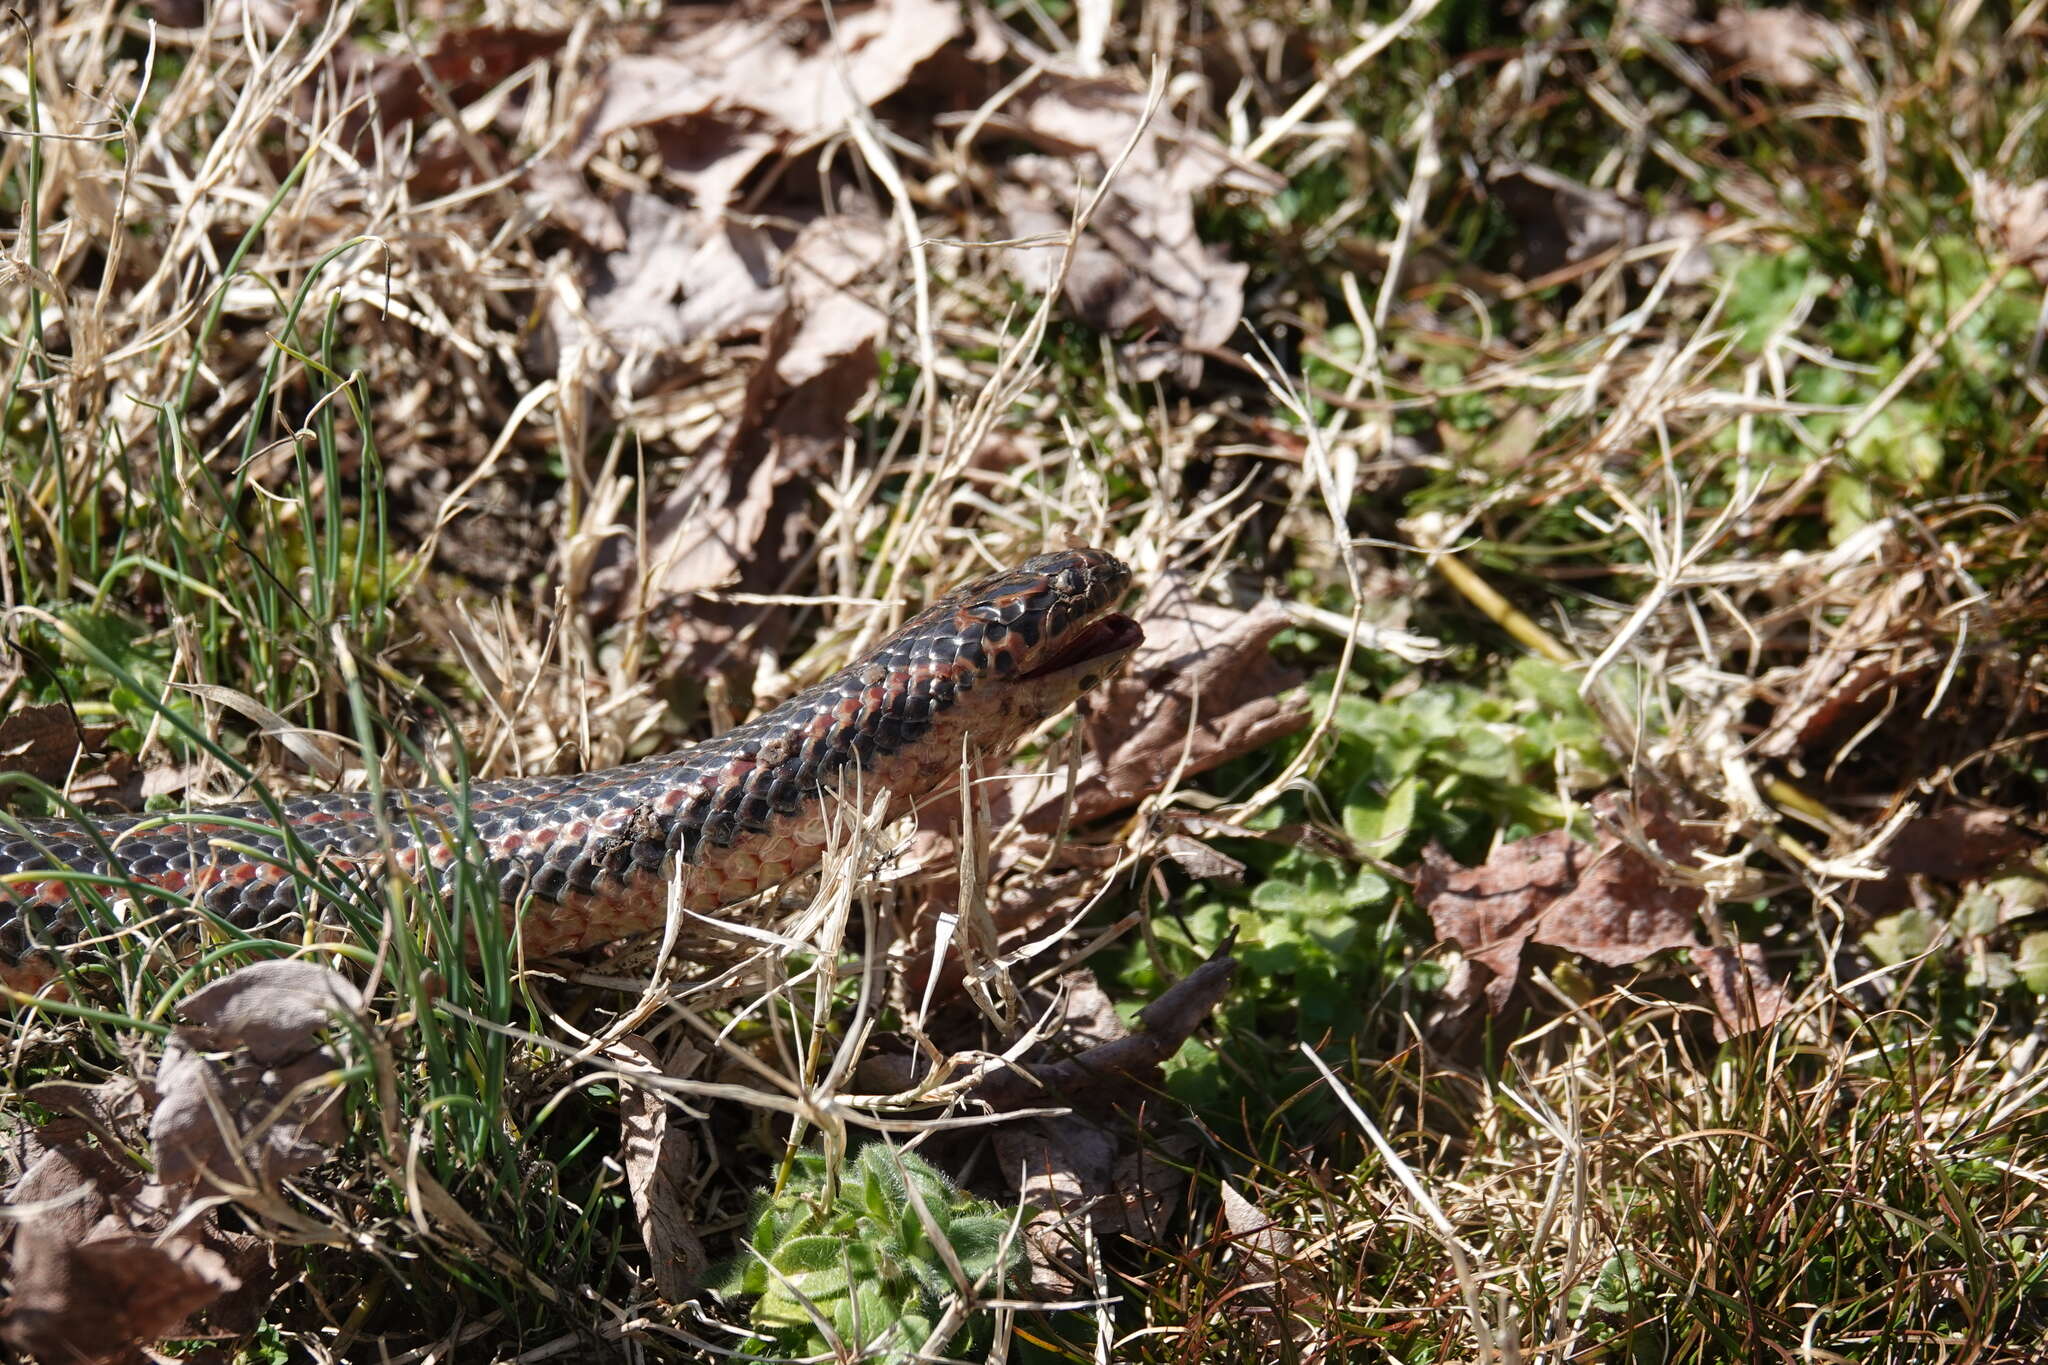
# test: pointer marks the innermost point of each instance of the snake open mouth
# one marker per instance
(1114, 634)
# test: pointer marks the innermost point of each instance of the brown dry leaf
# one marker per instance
(113, 1109)
(680, 278)
(43, 741)
(1109, 1068)
(101, 1298)
(1074, 1168)
(1605, 901)
(557, 190)
(1878, 647)
(1745, 996)
(1201, 861)
(658, 1157)
(92, 1277)
(711, 531)
(1203, 689)
(1062, 1167)
(1276, 1282)
(49, 744)
(742, 91)
(465, 62)
(2015, 217)
(1782, 46)
(740, 516)
(238, 1117)
(274, 1009)
(1951, 846)
(1141, 263)
(835, 319)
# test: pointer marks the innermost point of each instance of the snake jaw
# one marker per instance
(1099, 648)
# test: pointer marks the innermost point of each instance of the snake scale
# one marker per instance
(586, 859)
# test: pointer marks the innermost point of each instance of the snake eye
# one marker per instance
(1068, 582)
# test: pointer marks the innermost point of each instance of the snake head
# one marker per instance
(1049, 622)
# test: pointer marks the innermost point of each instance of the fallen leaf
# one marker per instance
(738, 517)
(101, 1298)
(1141, 264)
(274, 1009)
(1121, 1181)
(1061, 1168)
(748, 89)
(1201, 861)
(1201, 690)
(2015, 217)
(1784, 47)
(658, 1157)
(240, 1097)
(112, 1109)
(1277, 1291)
(1951, 846)
(93, 1276)
(1019, 908)
(1745, 997)
(464, 61)
(679, 278)
(830, 257)
(1265, 1241)
(1605, 901)
(556, 189)
(45, 741)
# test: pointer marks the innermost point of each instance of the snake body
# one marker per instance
(585, 859)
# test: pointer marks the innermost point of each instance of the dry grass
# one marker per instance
(1591, 337)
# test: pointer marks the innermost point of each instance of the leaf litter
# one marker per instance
(1607, 900)
(117, 1258)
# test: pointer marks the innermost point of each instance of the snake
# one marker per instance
(586, 859)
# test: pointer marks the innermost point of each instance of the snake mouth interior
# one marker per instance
(1115, 634)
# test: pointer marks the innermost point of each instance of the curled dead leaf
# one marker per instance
(2015, 217)
(1605, 901)
(242, 1095)
(99, 1269)
(1202, 689)
(658, 1156)
(1786, 47)
(1140, 264)
(751, 82)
